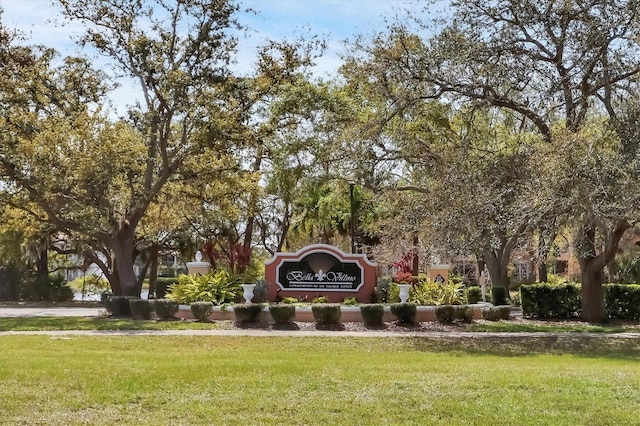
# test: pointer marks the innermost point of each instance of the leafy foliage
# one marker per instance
(404, 312)
(372, 314)
(247, 312)
(326, 314)
(166, 308)
(218, 287)
(201, 310)
(428, 292)
(282, 314)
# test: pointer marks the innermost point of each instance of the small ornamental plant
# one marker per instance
(496, 313)
(326, 313)
(445, 314)
(404, 278)
(118, 306)
(201, 310)
(372, 314)
(282, 314)
(166, 308)
(404, 312)
(140, 308)
(247, 313)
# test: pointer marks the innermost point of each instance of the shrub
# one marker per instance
(48, 288)
(445, 314)
(462, 313)
(326, 313)
(474, 294)
(622, 301)
(320, 299)
(118, 306)
(201, 310)
(545, 300)
(350, 301)
(140, 308)
(218, 287)
(163, 284)
(427, 292)
(289, 300)
(166, 308)
(247, 312)
(404, 312)
(372, 314)
(282, 314)
(495, 313)
(498, 296)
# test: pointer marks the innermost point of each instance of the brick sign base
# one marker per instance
(320, 270)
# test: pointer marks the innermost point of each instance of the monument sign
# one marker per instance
(320, 269)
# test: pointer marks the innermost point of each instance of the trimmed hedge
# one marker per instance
(372, 314)
(474, 294)
(463, 313)
(118, 306)
(544, 300)
(140, 308)
(163, 284)
(166, 308)
(495, 313)
(326, 313)
(445, 314)
(404, 312)
(499, 296)
(201, 310)
(282, 314)
(247, 312)
(622, 301)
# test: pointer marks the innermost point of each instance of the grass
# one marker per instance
(96, 323)
(292, 381)
(507, 327)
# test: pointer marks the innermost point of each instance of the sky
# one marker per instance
(334, 20)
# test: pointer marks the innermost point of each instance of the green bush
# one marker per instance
(163, 284)
(320, 299)
(326, 313)
(350, 301)
(404, 312)
(260, 292)
(166, 308)
(429, 293)
(118, 306)
(622, 301)
(445, 314)
(495, 313)
(247, 312)
(48, 288)
(499, 296)
(282, 314)
(372, 314)
(140, 308)
(545, 300)
(463, 313)
(201, 310)
(219, 287)
(289, 300)
(474, 294)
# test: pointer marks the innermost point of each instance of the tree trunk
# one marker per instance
(42, 263)
(497, 269)
(153, 271)
(123, 248)
(592, 265)
(415, 260)
(592, 297)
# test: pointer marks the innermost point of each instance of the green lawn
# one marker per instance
(97, 323)
(328, 381)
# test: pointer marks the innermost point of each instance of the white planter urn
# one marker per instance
(404, 292)
(248, 292)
